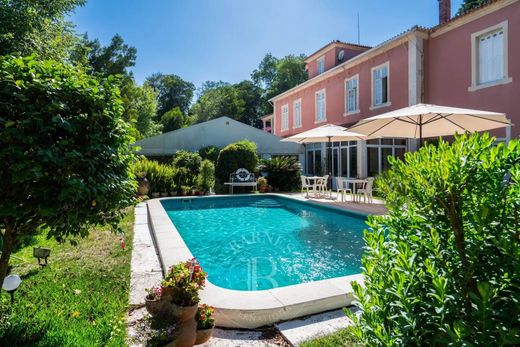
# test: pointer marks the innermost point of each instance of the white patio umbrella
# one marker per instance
(423, 120)
(325, 133)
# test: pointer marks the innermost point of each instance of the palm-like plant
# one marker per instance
(283, 172)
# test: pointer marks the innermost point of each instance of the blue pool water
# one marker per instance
(263, 242)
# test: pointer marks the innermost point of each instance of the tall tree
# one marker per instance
(251, 95)
(140, 108)
(276, 76)
(114, 59)
(174, 119)
(172, 91)
(220, 101)
(468, 5)
(29, 26)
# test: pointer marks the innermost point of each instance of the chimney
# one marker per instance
(444, 11)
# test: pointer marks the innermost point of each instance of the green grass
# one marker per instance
(79, 299)
(342, 338)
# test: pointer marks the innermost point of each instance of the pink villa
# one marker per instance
(470, 61)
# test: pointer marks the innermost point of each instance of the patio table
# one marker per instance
(314, 179)
(354, 182)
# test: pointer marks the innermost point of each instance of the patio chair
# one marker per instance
(321, 184)
(341, 187)
(305, 185)
(366, 191)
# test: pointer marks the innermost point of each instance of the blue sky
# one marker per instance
(203, 40)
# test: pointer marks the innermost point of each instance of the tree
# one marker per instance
(173, 120)
(172, 91)
(469, 5)
(114, 59)
(40, 27)
(276, 76)
(65, 152)
(217, 102)
(140, 108)
(241, 154)
(445, 269)
(251, 95)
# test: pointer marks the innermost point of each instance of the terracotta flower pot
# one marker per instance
(164, 194)
(183, 313)
(186, 335)
(144, 186)
(156, 306)
(203, 335)
(156, 195)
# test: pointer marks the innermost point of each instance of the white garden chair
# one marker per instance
(305, 185)
(366, 191)
(321, 184)
(341, 187)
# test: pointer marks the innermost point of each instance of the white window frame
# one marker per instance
(320, 61)
(475, 65)
(285, 117)
(347, 112)
(297, 121)
(372, 91)
(316, 120)
(380, 147)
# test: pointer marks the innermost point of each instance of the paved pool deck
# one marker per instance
(377, 207)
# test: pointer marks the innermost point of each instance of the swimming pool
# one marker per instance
(260, 242)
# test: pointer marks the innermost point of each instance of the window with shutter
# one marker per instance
(297, 122)
(352, 95)
(320, 106)
(285, 117)
(491, 57)
(380, 85)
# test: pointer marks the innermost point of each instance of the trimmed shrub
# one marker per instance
(241, 154)
(283, 173)
(189, 160)
(210, 153)
(445, 270)
(206, 179)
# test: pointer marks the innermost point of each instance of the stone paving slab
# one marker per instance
(300, 330)
(238, 338)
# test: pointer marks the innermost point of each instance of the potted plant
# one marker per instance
(173, 191)
(144, 186)
(205, 323)
(182, 285)
(154, 303)
(262, 184)
(185, 190)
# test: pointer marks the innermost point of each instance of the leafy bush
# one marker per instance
(210, 153)
(189, 160)
(241, 154)
(283, 172)
(445, 270)
(206, 179)
(160, 176)
(65, 151)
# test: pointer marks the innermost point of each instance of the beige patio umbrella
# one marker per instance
(423, 120)
(325, 133)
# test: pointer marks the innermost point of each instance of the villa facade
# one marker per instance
(470, 61)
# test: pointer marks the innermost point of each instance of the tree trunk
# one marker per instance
(9, 244)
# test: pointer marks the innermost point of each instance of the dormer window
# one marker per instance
(321, 65)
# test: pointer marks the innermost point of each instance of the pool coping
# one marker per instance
(251, 309)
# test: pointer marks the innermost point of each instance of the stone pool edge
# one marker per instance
(250, 309)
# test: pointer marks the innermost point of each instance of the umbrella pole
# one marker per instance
(420, 131)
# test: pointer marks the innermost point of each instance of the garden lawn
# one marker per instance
(342, 338)
(79, 299)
